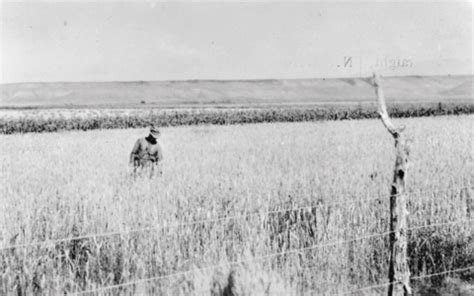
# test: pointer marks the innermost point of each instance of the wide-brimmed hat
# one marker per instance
(154, 131)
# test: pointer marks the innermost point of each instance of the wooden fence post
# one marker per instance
(399, 273)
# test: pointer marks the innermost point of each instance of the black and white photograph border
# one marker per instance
(236, 148)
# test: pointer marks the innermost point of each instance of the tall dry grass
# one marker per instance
(76, 183)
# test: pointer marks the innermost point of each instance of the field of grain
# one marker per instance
(248, 184)
(53, 120)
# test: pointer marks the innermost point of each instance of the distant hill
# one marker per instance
(231, 92)
(462, 89)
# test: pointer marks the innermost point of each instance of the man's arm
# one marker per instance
(160, 154)
(135, 151)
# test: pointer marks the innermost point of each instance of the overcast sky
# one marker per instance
(103, 41)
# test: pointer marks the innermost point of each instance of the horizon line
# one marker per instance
(231, 80)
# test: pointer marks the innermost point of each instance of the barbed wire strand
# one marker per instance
(301, 250)
(411, 279)
(177, 225)
(441, 273)
(386, 284)
(50, 243)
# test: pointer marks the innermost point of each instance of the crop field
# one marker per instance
(52, 120)
(282, 209)
(59, 106)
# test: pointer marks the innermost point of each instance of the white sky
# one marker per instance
(104, 41)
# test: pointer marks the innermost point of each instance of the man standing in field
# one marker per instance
(147, 154)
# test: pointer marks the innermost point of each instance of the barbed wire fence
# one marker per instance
(50, 243)
(164, 225)
(284, 253)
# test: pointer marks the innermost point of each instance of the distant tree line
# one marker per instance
(226, 117)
